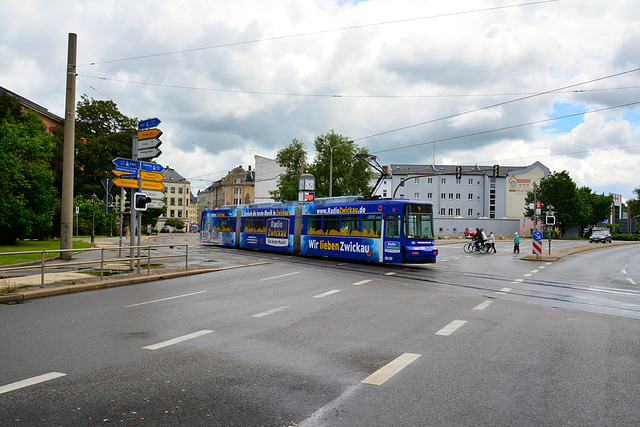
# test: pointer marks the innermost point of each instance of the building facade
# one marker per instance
(478, 194)
(177, 198)
(236, 188)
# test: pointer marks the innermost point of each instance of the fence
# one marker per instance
(43, 264)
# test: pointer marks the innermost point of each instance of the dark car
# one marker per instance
(469, 232)
(600, 236)
(165, 230)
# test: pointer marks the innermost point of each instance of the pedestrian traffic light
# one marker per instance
(118, 204)
(496, 171)
(551, 220)
(458, 172)
(141, 200)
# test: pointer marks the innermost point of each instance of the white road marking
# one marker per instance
(541, 267)
(504, 291)
(534, 271)
(390, 369)
(273, 310)
(631, 280)
(527, 275)
(483, 305)
(547, 263)
(165, 299)
(177, 340)
(451, 328)
(30, 381)
(624, 271)
(391, 273)
(362, 282)
(278, 277)
(335, 291)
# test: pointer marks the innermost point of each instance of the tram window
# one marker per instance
(331, 225)
(392, 226)
(314, 225)
(349, 226)
(222, 224)
(259, 225)
(418, 222)
(371, 225)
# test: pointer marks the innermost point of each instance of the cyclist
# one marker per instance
(480, 238)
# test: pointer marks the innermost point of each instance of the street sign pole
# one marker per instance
(134, 213)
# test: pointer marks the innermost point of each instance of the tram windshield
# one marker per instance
(418, 221)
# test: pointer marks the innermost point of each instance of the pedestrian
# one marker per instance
(492, 242)
(516, 244)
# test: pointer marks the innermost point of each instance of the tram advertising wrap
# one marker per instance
(388, 231)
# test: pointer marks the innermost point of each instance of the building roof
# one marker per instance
(32, 105)
(403, 169)
(171, 175)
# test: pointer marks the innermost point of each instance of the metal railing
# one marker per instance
(51, 264)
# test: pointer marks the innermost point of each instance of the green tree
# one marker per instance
(351, 176)
(595, 208)
(293, 159)
(557, 190)
(28, 196)
(176, 223)
(634, 204)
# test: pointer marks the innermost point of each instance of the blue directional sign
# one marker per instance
(149, 123)
(128, 165)
(537, 235)
(125, 170)
(129, 176)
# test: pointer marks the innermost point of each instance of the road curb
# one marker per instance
(50, 291)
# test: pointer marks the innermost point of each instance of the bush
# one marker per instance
(626, 237)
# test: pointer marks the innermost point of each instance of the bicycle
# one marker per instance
(471, 247)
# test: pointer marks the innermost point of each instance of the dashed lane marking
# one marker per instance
(391, 273)
(631, 280)
(280, 276)
(273, 310)
(30, 381)
(503, 291)
(483, 305)
(362, 282)
(177, 340)
(390, 369)
(165, 299)
(325, 294)
(451, 328)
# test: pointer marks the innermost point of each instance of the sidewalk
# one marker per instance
(58, 283)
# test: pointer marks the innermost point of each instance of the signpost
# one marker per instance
(149, 133)
(149, 123)
(124, 164)
(148, 143)
(148, 153)
(537, 243)
(132, 183)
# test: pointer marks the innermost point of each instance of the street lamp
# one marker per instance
(93, 218)
(331, 147)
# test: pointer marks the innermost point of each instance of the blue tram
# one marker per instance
(388, 231)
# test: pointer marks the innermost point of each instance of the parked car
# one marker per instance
(600, 236)
(469, 232)
(165, 230)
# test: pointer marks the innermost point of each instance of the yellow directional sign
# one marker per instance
(149, 133)
(120, 173)
(151, 176)
(132, 183)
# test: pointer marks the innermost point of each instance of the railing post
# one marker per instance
(42, 271)
(149, 261)
(186, 257)
(101, 263)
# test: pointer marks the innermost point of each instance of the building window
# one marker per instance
(470, 181)
(172, 213)
(442, 211)
(458, 181)
(402, 184)
(443, 180)
(450, 211)
(450, 196)
(179, 190)
(173, 202)
(429, 180)
(180, 202)
(384, 193)
(417, 181)
(457, 211)
(470, 212)
(443, 196)
(470, 196)
(457, 196)
(416, 196)
(173, 189)
(429, 196)
(179, 214)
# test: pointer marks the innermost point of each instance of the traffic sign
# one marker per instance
(149, 153)
(537, 235)
(537, 247)
(155, 204)
(148, 143)
(128, 176)
(149, 133)
(151, 176)
(121, 164)
(107, 184)
(156, 195)
(131, 183)
(149, 123)
(117, 171)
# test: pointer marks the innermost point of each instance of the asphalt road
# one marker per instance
(478, 340)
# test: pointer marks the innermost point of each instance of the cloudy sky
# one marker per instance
(467, 82)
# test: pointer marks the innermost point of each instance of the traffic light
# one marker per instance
(118, 204)
(496, 171)
(141, 200)
(551, 220)
(458, 172)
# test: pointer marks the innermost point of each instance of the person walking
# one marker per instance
(516, 244)
(492, 242)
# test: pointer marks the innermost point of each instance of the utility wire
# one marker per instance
(353, 27)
